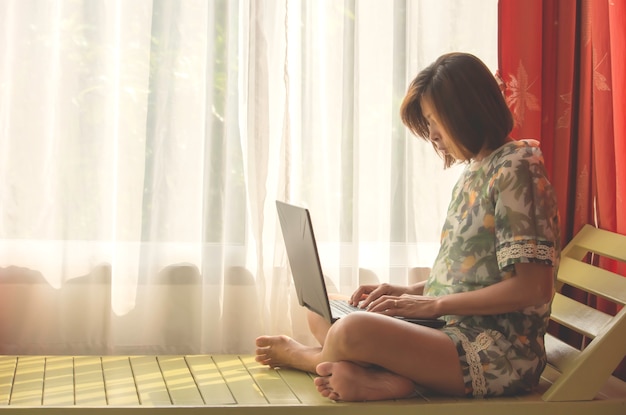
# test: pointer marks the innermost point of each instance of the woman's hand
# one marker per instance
(531, 286)
(366, 294)
(416, 306)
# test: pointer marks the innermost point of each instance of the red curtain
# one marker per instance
(563, 66)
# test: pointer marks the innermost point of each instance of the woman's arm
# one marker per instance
(417, 288)
(533, 285)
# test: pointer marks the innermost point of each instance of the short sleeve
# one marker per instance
(526, 212)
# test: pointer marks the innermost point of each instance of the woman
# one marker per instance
(493, 279)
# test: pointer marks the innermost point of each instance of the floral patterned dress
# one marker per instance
(503, 211)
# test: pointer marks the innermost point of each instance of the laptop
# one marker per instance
(306, 269)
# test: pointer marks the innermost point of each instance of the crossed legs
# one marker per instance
(366, 356)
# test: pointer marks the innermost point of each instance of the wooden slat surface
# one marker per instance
(180, 383)
(151, 387)
(591, 239)
(7, 371)
(300, 384)
(119, 382)
(560, 354)
(89, 387)
(241, 384)
(596, 280)
(223, 384)
(58, 387)
(28, 381)
(271, 385)
(580, 317)
(210, 383)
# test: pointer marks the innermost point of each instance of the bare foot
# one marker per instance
(283, 351)
(346, 381)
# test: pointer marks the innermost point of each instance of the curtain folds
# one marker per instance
(562, 63)
(143, 144)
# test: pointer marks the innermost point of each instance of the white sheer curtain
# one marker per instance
(143, 144)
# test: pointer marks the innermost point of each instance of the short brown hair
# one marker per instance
(468, 100)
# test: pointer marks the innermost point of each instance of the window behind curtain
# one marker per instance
(143, 143)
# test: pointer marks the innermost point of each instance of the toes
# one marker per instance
(334, 397)
(322, 386)
(325, 392)
(262, 341)
(324, 369)
(320, 381)
(269, 341)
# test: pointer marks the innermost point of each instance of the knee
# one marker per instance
(349, 332)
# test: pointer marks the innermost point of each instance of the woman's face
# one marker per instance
(437, 132)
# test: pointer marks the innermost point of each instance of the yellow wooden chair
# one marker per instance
(581, 373)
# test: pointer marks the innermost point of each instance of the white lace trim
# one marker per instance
(526, 250)
(472, 350)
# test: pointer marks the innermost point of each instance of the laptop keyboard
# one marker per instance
(341, 308)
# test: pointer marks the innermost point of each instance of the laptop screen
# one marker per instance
(303, 258)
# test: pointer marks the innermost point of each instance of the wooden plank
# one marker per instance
(613, 389)
(179, 380)
(58, 387)
(583, 377)
(118, 381)
(149, 380)
(272, 385)
(549, 375)
(211, 384)
(89, 381)
(28, 382)
(436, 398)
(241, 384)
(596, 280)
(7, 371)
(600, 241)
(577, 316)
(610, 401)
(466, 407)
(301, 383)
(559, 353)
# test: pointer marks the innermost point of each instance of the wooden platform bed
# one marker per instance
(575, 382)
